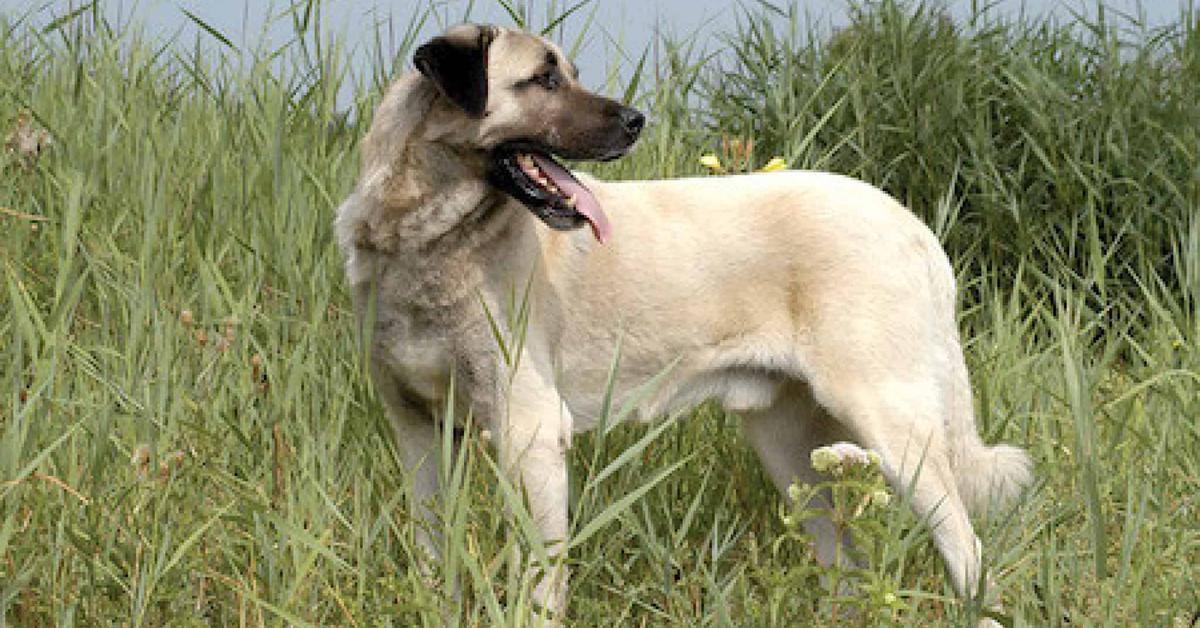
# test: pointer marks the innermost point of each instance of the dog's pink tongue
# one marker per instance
(585, 202)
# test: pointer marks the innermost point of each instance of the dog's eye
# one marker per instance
(548, 79)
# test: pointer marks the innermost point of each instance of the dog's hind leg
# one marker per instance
(902, 422)
(784, 436)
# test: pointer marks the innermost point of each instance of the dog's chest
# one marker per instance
(416, 354)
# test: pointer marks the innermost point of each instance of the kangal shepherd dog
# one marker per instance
(813, 305)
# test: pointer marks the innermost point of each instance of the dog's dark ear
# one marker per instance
(457, 63)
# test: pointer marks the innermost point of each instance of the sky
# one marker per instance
(619, 29)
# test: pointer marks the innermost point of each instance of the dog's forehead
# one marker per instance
(522, 52)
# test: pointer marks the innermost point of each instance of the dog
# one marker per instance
(813, 305)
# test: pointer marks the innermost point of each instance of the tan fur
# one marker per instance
(813, 304)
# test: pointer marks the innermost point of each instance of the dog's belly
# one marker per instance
(736, 389)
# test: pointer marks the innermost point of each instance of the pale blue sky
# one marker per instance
(617, 25)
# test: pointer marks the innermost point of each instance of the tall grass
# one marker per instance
(189, 438)
(1057, 145)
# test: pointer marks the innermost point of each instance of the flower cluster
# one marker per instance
(840, 457)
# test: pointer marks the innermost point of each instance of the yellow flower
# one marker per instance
(712, 162)
(776, 163)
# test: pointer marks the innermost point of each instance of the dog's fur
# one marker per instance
(814, 305)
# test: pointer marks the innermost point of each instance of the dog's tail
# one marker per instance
(989, 477)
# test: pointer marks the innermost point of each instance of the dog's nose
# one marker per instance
(632, 120)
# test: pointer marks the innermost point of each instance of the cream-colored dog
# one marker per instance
(814, 305)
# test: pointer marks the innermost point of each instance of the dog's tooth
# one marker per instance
(570, 202)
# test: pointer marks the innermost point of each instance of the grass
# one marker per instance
(188, 436)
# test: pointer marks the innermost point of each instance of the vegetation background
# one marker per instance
(189, 438)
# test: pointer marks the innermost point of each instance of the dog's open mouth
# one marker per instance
(549, 190)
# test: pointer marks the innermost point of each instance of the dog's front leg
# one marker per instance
(533, 448)
(419, 447)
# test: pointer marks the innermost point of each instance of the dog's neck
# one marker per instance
(423, 204)
(421, 186)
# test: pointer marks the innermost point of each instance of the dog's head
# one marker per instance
(522, 103)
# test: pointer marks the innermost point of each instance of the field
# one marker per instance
(189, 437)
